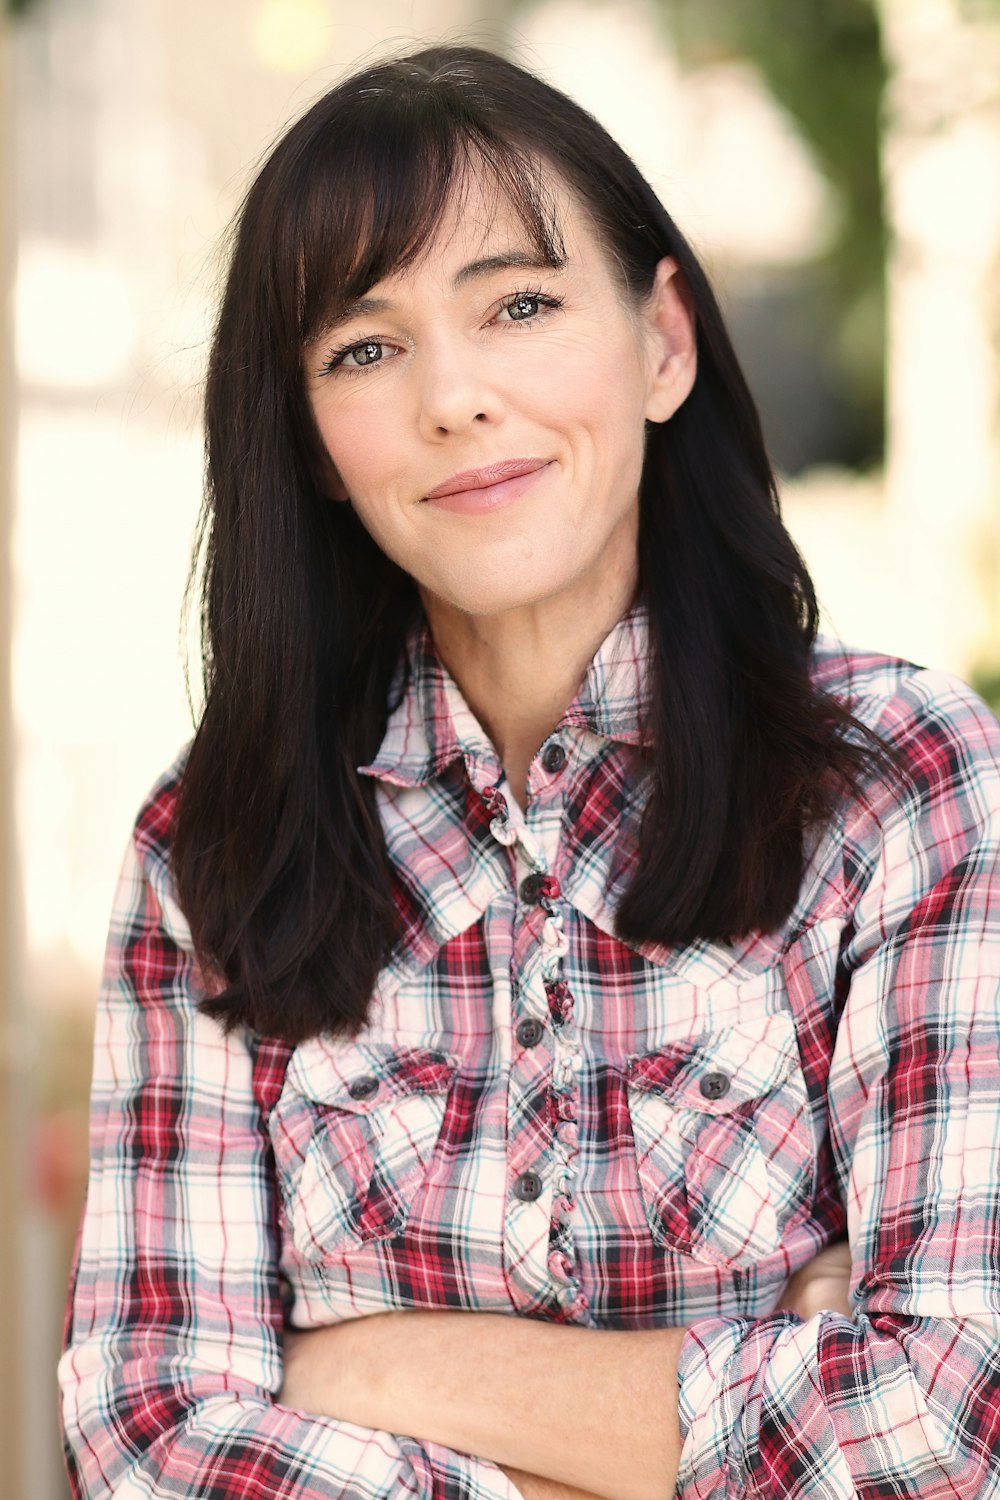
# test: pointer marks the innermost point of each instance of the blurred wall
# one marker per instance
(941, 153)
(12, 1111)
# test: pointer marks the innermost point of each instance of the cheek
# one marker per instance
(595, 386)
(605, 421)
(347, 436)
(369, 471)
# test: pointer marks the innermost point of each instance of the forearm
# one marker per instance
(535, 1487)
(591, 1409)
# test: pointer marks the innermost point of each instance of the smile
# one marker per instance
(479, 490)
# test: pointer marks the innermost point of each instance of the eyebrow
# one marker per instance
(513, 259)
(510, 260)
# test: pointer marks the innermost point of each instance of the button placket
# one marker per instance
(500, 824)
(560, 1000)
(538, 888)
(567, 1066)
(553, 936)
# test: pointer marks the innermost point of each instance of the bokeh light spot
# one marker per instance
(291, 36)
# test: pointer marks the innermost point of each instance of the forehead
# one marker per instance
(480, 206)
(481, 230)
(479, 223)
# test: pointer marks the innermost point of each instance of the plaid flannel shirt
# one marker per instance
(543, 1121)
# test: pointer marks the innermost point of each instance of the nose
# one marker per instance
(456, 391)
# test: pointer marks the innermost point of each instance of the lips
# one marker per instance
(481, 479)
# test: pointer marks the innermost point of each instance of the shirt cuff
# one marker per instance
(720, 1371)
(446, 1474)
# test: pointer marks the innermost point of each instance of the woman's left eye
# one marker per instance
(524, 307)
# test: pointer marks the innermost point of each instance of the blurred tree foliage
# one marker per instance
(987, 685)
(822, 60)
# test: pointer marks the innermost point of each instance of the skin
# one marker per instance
(460, 382)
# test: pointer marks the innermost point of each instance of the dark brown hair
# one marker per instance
(278, 851)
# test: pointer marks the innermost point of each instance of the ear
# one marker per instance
(670, 327)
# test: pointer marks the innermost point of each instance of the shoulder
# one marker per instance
(148, 854)
(909, 707)
(156, 814)
(943, 740)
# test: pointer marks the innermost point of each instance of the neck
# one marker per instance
(519, 671)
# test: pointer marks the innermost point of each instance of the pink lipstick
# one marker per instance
(489, 488)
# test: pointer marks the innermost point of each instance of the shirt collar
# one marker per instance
(432, 726)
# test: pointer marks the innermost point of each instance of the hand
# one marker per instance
(821, 1285)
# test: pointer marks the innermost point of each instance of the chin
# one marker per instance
(488, 598)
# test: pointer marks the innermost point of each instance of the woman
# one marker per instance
(543, 920)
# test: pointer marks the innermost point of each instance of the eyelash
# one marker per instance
(337, 358)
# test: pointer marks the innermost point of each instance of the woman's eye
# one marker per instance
(354, 357)
(526, 307)
(523, 306)
(368, 353)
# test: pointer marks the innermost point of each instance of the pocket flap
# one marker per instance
(361, 1076)
(719, 1072)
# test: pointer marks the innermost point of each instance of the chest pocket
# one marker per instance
(353, 1135)
(724, 1141)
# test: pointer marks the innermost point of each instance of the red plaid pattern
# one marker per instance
(541, 1120)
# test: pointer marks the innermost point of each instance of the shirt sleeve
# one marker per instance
(173, 1346)
(901, 1400)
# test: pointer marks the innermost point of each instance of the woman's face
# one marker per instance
(484, 414)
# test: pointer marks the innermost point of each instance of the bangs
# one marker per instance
(375, 194)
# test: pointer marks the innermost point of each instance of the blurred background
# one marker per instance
(836, 163)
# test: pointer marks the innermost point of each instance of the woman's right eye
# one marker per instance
(368, 353)
(355, 357)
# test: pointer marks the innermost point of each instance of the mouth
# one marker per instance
(485, 478)
(488, 488)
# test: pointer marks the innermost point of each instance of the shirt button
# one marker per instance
(714, 1085)
(554, 758)
(529, 1032)
(528, 1187)
(363, 1088)
(531, 889)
